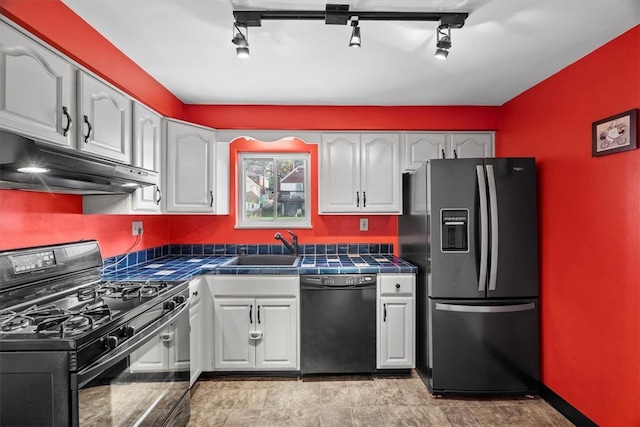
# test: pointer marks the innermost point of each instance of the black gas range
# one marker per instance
(78, 340)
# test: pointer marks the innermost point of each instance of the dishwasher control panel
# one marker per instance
(338, 279)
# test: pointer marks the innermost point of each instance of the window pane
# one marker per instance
(291, 189)
(259, 191)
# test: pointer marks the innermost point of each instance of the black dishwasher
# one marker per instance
(338, 324)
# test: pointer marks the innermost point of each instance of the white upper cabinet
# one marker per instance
(36, 89)
(472, 145)
(147, 154)
(190, 168)
(104, 116)
(360, 173)
(420, 147)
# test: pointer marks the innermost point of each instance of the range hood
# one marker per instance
(68, 172)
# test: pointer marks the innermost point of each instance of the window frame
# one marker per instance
(242, 217)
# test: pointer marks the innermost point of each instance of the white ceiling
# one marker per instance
(504, 48)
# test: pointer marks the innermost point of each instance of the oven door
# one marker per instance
(145, 382)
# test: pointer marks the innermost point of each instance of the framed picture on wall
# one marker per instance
(614, 134)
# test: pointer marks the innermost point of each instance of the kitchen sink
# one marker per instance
(264, 261)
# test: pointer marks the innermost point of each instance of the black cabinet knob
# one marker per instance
(397, 285)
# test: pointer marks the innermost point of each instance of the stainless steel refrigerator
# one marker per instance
(470, 226)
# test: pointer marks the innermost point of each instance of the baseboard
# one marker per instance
(565, 408)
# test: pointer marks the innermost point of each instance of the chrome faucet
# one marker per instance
(293, 246)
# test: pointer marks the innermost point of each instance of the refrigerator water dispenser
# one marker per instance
(455, 230)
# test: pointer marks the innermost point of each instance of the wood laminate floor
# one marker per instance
(355, 401)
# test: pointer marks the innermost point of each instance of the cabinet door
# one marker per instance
(195, 321)
(276, 319)
(104, 119)
(152, 356)
(146, 154)
(178, 345)
(233, 319)
(340, 173)
(420, 147)
(190, 168)
(396, 345)
(36, 88)
(380, 169)
(471, 145)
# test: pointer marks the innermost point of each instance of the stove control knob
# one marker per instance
(111, 342)
(179, 299)
(129, 331)
(169, 305)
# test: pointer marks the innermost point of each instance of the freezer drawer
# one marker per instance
(489, 347)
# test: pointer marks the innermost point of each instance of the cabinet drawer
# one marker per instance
(396, 284)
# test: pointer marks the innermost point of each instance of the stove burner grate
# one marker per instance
(53, 320)
(124, 290)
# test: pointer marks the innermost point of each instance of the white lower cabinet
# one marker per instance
(200, 320)
(396, 319)
(168, 351)
(254, 330)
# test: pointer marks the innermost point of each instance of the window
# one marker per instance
(274, 190)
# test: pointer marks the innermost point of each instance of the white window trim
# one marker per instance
(241, 193)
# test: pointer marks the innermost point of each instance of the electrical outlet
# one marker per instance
(136, 228)
(364, 224)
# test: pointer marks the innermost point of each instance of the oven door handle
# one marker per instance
(127, 348)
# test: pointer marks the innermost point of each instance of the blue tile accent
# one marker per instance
(182, 261)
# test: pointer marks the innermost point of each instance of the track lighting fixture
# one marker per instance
(444, 41)
(339, 14)
(355, 34)
(241, 40)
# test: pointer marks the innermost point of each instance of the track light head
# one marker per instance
(355, 34)
(241, 40)
(441, 53)
(443, 44)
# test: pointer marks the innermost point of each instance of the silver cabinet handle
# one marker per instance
(484, 229)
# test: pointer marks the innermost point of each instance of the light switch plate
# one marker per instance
(364, 224)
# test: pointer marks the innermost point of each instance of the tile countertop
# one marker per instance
(186, 267)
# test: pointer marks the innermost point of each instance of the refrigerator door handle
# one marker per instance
(485, 308)
(484, 229)
(493, 205)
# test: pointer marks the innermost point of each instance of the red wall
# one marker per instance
(589, 230)
(343, 117)
(32, 219)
